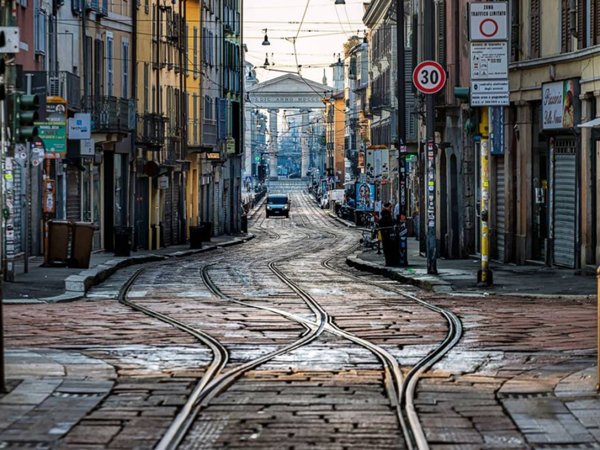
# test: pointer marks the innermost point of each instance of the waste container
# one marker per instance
(123, 239)
(244, 224)
(205, 231)
(81, 244)
(391, 247)
(58, 243)
(195, 236)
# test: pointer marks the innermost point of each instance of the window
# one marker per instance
(124, 68)
(146, 87)
(195, 118)
(208, 108)
(195, 51)
(109, 65)
(39, 31)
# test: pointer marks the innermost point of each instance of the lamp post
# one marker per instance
(401, 132)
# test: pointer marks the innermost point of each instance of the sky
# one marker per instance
(318, 27)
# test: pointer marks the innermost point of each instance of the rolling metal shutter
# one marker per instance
(565, 202)
(500, 209)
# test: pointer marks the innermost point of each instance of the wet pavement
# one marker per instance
(94, 374)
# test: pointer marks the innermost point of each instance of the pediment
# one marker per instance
(290, 83)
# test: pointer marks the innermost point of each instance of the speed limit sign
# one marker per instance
(429, 77)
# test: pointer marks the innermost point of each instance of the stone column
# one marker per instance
(273, 147)
(304, 144)
(248, 144)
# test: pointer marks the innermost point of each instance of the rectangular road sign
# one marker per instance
(489, 60)
(488, 21)
(489, 93)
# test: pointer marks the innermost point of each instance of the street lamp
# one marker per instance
(266, 40)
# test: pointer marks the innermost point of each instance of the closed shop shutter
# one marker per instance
(500, 209)
(168, 217)
(565, 202)
(18, 192)
(176, 216)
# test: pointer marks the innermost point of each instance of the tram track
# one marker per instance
(400, 389)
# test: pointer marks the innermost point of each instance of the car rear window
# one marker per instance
(277, 200)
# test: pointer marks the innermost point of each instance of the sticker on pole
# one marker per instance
(429, 77)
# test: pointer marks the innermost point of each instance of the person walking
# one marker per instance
(389, 236)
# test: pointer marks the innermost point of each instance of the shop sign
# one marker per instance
(54, 136)
(80, 126)
(558, 105)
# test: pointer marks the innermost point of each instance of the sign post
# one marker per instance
(488, 33)
(429, 77)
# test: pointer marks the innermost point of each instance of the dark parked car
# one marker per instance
(278, 205)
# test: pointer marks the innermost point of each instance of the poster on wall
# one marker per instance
(560, 104)
(365, 196)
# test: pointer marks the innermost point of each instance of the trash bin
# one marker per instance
(81, 244)
(391, 247)
(195, 237)
(123, 238)
(244, 224)
(58, 243)
(205, 231)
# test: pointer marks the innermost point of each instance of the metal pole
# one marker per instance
(401, 96)
(428, 50)
(484, 275)
(598, 333)
(27, 192)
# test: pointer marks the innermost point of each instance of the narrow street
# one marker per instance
(277, 343)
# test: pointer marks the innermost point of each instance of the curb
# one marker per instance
(428, 282)
(340, 220)
(76, 286)
(436, 284)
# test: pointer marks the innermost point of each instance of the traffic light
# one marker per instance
(24, 114)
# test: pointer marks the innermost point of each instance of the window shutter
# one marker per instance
(535, 28)
(564, 27)
(222, 118)
(595, 22)
(581, 31)
(441, 32)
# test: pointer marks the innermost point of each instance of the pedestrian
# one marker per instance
(388, 236)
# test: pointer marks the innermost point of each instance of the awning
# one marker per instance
(594, 123)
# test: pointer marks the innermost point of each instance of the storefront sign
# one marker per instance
(559, 105)
(54, 136)
(80, 126)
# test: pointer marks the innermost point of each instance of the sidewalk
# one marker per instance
(460, 275)
(54, 284)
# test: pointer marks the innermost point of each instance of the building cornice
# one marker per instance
(556, 59)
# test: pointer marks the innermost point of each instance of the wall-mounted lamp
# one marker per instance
(266, 40)
(266, 63)
(340, 2)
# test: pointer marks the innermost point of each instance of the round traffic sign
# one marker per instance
(429, 77)
(488, 28)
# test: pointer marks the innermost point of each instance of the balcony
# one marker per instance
(150, 131)
(66, 85)
(111, 114)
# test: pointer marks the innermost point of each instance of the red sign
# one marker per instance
(429, 77)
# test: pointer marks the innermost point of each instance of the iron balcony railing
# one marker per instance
(111, 114)
(150, 130)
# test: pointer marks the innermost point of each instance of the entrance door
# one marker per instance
(565, 201)
(142, 202)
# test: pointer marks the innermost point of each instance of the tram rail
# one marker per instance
(400, 389)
